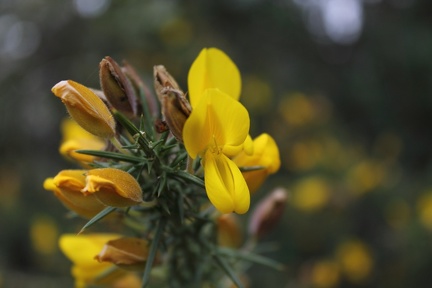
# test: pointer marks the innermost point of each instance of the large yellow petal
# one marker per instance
(218, 121)
(225, 185)
(213, 69)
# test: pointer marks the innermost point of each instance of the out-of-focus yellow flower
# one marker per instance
(325, 274)
(113, 187)
(87, 109)
(81, 250)
(76, 138)
(216, 130)
(213, 69)
(43, 234)
(366, 176)
(424, 209)
(310, 194)
(265, 154)
(297, 110)
(305, 155)
(355, 260)
(258, 93)
(229, 233)
(67, 186)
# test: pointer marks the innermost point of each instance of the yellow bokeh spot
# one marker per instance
(10, 185)
(305, 155)
(366, 176)
(355, 260)
(311, 194)
(325, 274)
(44, 234)
(256, 94)
(297, 110)
(424, 209)
(176, 32)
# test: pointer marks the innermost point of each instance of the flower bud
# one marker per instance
(176, 110)
(268, 212)
(127, 252)
(229, 234)
(113, 187)
(67, 186)
(162, 80)
(117, 88)
(86, 108)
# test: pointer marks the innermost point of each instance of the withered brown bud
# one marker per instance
(175, 109)
(127, 252)
(267, 213)
(117, 88)
(162, 80)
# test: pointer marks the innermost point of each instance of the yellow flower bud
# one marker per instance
(86, 108)
(67, 186)
(127, 252)
(113, 187)
(229, 234)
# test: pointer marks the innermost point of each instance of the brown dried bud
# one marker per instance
(117, 88)
(175, 109)
(162, 80)
(268, 212)
(126, 252)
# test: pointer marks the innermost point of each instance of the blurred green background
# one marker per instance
(344, 87)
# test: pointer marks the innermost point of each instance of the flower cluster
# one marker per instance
(161, 165)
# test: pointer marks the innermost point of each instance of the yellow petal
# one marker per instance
(113, 187)
(219, 121)
(76, 138)
(225, 185)
(266, 154)
(81, 249)
(213, 69)
(67, 186)
(86, 108)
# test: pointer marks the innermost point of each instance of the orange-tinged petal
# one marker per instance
(266, 154)
(218, 121)
(87, 109)
(113, 187)
(225, 185)
(67, 186)
(213, 69)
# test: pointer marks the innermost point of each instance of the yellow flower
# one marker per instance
(76, 138)
(113, 187)
(356, 260)
(67, 186)
(216, 130)
(81, 250)
(87, 109)
(266, 154)
(213, 69)
(229, 233)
